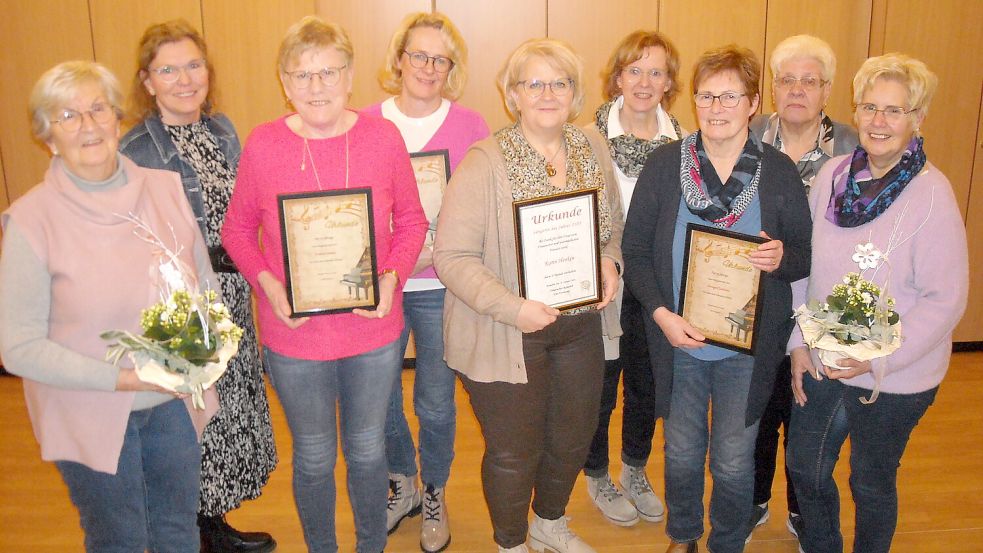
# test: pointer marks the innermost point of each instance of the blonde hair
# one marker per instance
(558, 54)
(630, 50)
(59, 85)
(391, 76)
(313, 32)
(913, 74)
(142, 103)
(805, 46)
(730, 58)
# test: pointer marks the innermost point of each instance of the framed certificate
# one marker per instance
(432, 170)
(558, 251)
(721, 290)
(329, 251)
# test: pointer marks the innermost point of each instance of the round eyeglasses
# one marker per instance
(71, 120)
(329, 76)
(171, 73)
(892, 114)
(421, 59)
(535, 87)
(807, 83)
(727, 99)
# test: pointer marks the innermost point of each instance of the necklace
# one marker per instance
(307, 154)
(550, 170)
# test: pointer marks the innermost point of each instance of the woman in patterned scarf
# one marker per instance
(533, 374)
(722, 177)
(172, 96)
(640, 82)
(803, 67)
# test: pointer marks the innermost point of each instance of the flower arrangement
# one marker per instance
(857, 320)
(188, 336)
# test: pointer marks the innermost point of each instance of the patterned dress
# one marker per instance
(238, 451)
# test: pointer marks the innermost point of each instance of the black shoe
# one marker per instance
(218, 537)
(759, 516)
(794, 524)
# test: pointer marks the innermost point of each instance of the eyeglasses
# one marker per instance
(807, 83)
(633, 74)
(892, 114)
(727, 99)
(71, 120)
(420, 60)
(536, 87)
(171, 73)
(329, 76)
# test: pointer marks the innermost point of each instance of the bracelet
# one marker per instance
(392, 272)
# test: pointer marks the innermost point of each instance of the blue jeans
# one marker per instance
(312, 392)
(433, 395)
(152, 500)
(695, 385)
(878, 433)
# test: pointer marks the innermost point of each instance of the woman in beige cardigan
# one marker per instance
(534, 374)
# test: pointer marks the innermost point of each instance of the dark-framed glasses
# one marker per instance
(329, 76)
(536, 87)
(420, 60)
(71, 120)
(892, 114)
(807, 83)
(632, 74)
(171, 73)
(727, 99)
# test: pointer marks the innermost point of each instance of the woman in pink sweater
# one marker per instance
(888, 196)
(349, 360)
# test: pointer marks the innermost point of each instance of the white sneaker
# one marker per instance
(609, 500)
(555, 536)
(521, 548)
(636, 485)
(404, 500)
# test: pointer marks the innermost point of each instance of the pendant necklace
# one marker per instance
(550, 170)
(317, 178)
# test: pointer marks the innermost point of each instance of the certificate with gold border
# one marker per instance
(432, 170)
(557, 248)
(329, 251)
(721, 291)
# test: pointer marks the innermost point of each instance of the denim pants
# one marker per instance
(312, 393)
(696, 385)
(777, 415)
(537, 434)
(878, 433)
(151, 503)
(433, 395)
(638, 418)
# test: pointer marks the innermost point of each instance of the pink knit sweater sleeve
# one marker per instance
(409, 223)
(240, 232)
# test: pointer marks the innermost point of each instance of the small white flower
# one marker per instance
(867, 256)
(867, 297)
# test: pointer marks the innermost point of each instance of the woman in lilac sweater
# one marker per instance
(886, 194)
(426, 69)
(349, 360)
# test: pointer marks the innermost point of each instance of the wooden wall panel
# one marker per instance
(370, 24)
(36, 35)
(493, 30)
(118, 26)
(971, 327)
(594, 29)
(243, 39)
(696, 26)
(4, 201)
(915, 28)
(849, 38)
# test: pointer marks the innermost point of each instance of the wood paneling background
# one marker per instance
(243, 36)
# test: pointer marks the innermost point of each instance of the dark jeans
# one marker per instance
(878, 433)
(638, 419)
(537, 434)
(776, 415)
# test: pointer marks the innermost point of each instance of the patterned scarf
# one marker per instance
(630, 152)
(706, 197)
(860, 197)
(812, 160)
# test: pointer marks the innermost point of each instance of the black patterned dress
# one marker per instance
(238, 451)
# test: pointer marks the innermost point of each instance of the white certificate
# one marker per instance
(558, 251)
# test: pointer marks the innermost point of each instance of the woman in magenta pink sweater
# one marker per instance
(886, 211)
(348, 360)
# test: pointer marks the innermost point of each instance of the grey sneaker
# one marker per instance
(404, 500)
(759, 516)
(609, 500)
(435, 535)
(636, 485)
